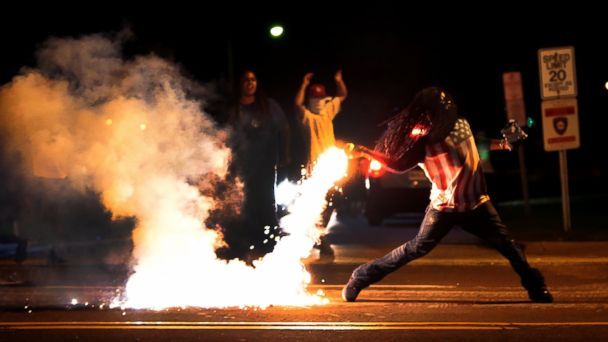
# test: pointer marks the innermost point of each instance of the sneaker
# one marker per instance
(534, 283)
(540, 295)
(352, 290)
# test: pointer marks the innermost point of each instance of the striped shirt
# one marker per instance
(454, 168)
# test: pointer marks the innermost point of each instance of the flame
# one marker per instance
(181, 269)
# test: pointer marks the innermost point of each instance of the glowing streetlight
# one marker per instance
(276, 31)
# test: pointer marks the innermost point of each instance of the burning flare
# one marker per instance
(181, 269)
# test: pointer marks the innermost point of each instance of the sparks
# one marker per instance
(168, 276)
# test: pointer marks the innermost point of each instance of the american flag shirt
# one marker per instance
(454, 168)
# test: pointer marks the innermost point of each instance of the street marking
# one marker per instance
(313, 286)
(396, 286)
(483, 261)
(86, 287)
(163, 325)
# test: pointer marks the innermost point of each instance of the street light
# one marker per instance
(276, 31)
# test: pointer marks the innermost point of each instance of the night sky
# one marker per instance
(387, 53)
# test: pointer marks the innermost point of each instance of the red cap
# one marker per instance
(317, 90)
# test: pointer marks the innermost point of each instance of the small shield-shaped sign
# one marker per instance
(560, 125)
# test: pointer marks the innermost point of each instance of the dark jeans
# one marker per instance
(334, 200)
(483, 222)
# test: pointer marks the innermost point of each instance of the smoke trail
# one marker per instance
(129, 130)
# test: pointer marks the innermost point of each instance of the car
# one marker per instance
(390, 193)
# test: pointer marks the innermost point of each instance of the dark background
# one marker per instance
(387, 51)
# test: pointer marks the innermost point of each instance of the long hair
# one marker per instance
(260, 100)
(428, 118)
(397, 139)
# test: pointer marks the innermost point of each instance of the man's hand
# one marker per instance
(307, 79)
(341, 91)
(299, 99)
(500, 145)
(505, 145)
(513, 134)
(338, 76)
(357, 151)
(349, 148)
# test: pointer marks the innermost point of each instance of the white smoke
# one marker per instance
(129, 130)
(124, 128)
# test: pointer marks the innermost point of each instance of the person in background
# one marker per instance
(316, 116)
(260, 145)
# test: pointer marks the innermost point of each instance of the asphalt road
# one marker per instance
(459, 292)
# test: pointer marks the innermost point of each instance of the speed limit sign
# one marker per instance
(560, 111)
(557, 72)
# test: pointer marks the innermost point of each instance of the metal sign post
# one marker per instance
(563, 171)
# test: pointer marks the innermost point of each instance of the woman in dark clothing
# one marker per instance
(260, 146)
